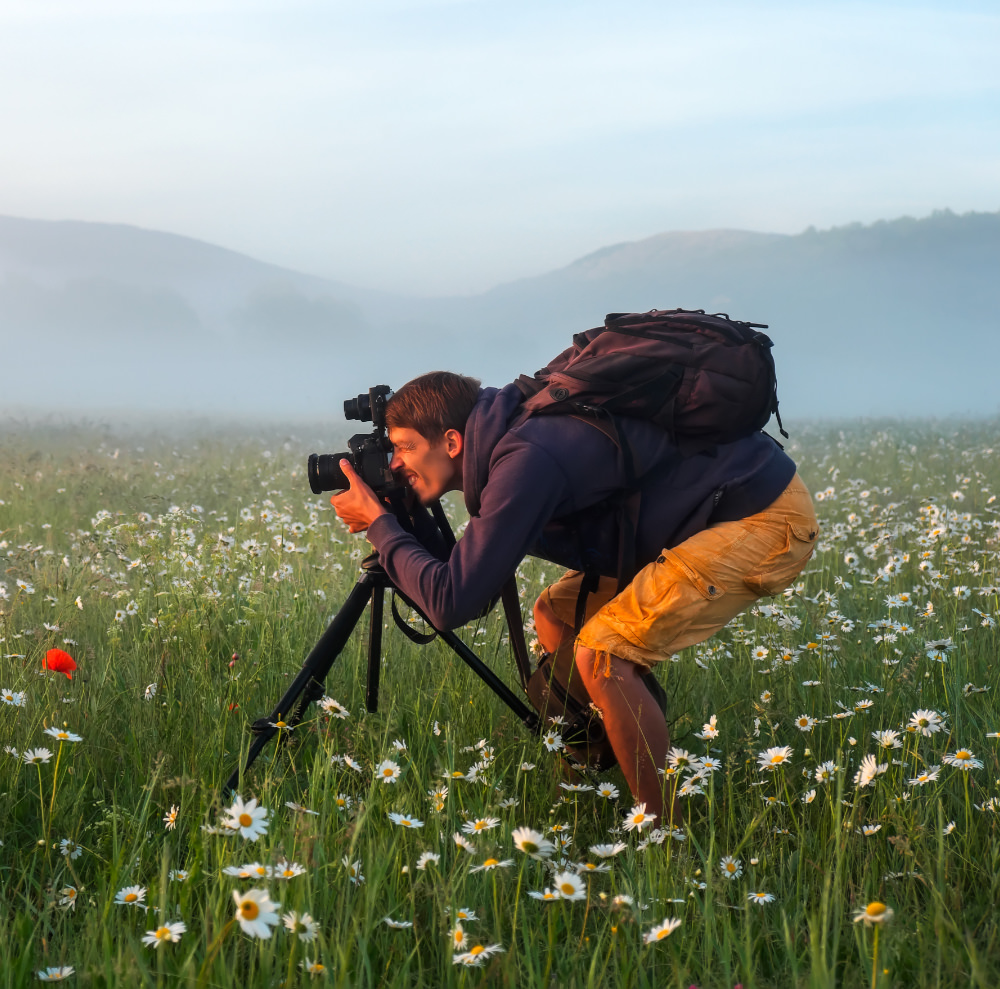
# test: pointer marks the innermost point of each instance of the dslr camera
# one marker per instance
(369, 453)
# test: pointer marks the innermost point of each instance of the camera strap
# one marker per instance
(420, 638)
(512, 613)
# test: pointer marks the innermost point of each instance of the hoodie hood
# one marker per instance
(487, 425)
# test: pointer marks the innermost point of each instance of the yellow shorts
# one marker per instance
(691, 591)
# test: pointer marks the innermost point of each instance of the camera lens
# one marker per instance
(325, 473)
(358, 408)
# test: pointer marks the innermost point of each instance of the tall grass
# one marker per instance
(112, 551)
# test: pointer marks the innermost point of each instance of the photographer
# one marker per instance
(714, 531)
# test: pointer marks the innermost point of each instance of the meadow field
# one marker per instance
(835, 748)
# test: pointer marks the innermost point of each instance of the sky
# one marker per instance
(445, 146)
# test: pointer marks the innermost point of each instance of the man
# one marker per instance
(714, 532)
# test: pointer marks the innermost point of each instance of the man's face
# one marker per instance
(430, 469)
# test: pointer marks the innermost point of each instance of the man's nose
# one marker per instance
(396, 463)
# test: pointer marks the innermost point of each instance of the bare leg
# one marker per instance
(552, 633)
(635, 725)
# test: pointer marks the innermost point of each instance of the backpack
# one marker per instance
(706, 379)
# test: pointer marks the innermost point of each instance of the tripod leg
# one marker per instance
(314, 670)
(528, 717)
(374, 649)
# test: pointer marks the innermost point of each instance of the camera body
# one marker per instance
(369, 453)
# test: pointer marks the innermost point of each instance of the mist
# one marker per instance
(893, 318)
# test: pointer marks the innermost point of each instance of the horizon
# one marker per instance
(559, 266)
(443, 147)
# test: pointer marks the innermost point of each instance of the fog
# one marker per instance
(893, 318)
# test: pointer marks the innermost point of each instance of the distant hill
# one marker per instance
(899, 317)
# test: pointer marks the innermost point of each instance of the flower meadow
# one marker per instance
(834, 761)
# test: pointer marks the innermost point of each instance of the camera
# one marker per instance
(369, 453)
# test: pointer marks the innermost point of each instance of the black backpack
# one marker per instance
(706, 379)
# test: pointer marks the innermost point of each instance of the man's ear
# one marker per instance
(454, 443)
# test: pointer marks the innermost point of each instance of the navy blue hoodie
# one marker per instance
(540, 488)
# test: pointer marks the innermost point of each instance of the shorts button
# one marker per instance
(711, 590)
(661, 559)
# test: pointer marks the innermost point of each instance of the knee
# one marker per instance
(543, 610)
(550, 630)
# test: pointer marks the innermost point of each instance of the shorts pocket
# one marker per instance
(708, 590)
(782, 566)
(663, 601)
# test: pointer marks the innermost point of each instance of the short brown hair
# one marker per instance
(432, 404)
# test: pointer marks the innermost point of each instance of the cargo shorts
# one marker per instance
(691, 591)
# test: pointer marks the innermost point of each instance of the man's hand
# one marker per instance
(358, 506)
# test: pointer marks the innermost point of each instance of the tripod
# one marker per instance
(369, 589)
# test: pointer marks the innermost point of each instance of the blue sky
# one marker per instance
(444, 147)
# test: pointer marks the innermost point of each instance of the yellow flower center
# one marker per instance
(730, 867)
(777, 759)
(62, 734)
(249, 909)
(288, 873)
(875, 909)
(963, 754)
(567, 888)
(162, 933)
(660, 935)
(281, 724)
(476, 950)
(131, 897)
(387, 772)
(491, 862)
(639, 818)
(406, 822)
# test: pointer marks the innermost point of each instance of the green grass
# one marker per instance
(130, 524)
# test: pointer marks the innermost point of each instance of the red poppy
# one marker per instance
(59, 662)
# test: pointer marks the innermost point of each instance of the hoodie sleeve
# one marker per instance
(524, 488)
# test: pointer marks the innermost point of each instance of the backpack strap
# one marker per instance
(590, 582)
(515, 625)
(628, 512)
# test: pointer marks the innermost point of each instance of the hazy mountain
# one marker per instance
(899, 317)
